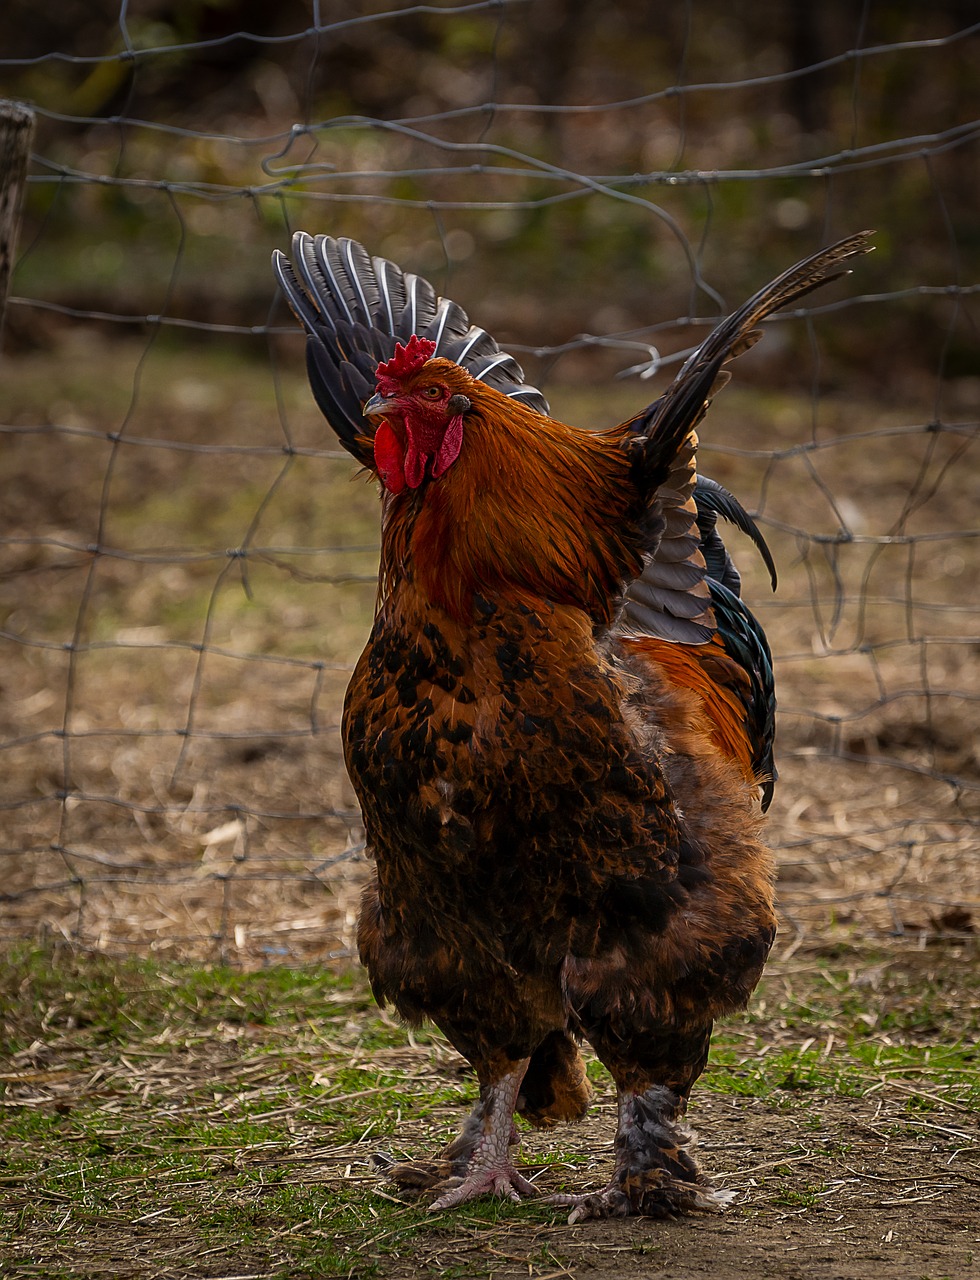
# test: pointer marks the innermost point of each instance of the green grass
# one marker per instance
(848, 1072)
(210, 1081)
(229, 1115)
(913, 1021)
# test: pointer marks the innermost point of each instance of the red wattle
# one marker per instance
(448, 451)
(389, 458)
(415, 461)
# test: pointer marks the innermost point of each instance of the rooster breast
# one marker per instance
(511, 808)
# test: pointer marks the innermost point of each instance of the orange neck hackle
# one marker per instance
(532, 510)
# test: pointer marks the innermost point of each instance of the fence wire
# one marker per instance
(187, 571)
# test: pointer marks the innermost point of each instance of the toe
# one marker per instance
(506, 1183)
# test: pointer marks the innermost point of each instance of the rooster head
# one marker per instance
(421, 402)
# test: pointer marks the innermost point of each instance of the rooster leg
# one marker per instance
(483, 1147)
(656, 1174)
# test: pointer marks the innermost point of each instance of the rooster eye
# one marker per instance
(433, 392)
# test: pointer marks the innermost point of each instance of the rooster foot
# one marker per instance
(495, 1178)
(659, 1196)
(477, 1162)
(656, 1173)
(449, 1168)
(452, 1187)
(480, 1158)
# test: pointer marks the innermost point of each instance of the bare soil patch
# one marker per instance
(853, 1189)
(842, 1190)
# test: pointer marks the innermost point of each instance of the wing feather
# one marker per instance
(420, 306)
(360, 273)
(354, 309)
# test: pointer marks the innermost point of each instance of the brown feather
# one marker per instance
(721, 686)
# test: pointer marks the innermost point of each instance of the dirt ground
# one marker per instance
(849, 1190)
(890, 1205)
(879, 1184)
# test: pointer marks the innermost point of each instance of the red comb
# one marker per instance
(408, 358)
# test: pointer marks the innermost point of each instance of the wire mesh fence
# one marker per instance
(188, 571)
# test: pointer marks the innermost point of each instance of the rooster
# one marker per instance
(559, 731)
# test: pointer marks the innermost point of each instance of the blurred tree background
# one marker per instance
(577, 166)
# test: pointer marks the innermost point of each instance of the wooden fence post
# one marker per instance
(16, 131)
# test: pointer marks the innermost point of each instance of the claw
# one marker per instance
(656, 1173)
(668, 1199)
(478, 1162)
(497, 1180)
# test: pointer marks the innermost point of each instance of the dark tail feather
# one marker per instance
(714, 500)
(745, 641)
(659, 431)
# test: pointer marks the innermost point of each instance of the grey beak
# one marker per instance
(378, 405)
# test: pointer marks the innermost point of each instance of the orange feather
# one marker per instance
(721, 685)
(531, 508)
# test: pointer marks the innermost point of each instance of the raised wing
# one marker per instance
(354, 309)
